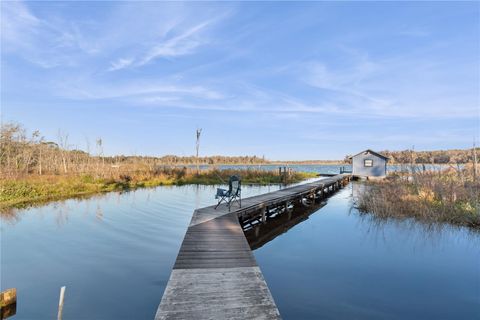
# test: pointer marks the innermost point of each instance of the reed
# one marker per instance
(442, 196)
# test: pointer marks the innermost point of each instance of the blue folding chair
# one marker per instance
(232, 194)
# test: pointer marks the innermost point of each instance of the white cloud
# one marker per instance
(46, 44)
(17, 23)
(403, 85)
(137, 91)
(120, 64)
(134, 35)
(184, 43)
(353, 84)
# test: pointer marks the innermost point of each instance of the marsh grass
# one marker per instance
(25, 190)
(446, 196)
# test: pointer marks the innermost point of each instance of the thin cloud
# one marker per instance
(17, 22)
(182, 44)
(138, 91)
(120, 64)
(185, 43)
(44, 43)
(390, 87)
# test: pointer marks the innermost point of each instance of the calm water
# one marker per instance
(340, 265)
(322, 168)
(115, 252)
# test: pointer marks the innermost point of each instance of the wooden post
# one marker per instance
(264, 215)
(60, 303)
(8, 297)
(8, 311)
(197, 146)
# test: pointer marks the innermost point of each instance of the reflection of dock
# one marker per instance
(261, 233)
(326, 174)
(215, 275)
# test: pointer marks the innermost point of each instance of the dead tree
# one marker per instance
(199, 132)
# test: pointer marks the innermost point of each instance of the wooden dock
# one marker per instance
(215, 275)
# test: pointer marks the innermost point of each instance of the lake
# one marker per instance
(114, 253)
(321, 168)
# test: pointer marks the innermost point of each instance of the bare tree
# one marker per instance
(474, 161)
(99, 144)
(199, 132)
(63, 143)
(87, 160)
(40, 144)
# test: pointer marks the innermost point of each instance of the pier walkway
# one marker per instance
(215, 275)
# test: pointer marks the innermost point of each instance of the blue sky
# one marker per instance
(299, 80)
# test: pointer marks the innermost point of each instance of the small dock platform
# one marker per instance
(215, 275)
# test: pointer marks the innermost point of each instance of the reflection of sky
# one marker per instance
(335, 264)
(102, 248)
(341, 265)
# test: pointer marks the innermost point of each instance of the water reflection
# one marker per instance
(97, 247)
(374, 228)
(10, 216)
(421, 230)
(261, 233)
(336, 263)
(8, 311)
(325, 261)
(99, 213)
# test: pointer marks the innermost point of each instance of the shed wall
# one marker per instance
(377, 170)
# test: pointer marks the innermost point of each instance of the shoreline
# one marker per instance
(450, 197)
(29, 190)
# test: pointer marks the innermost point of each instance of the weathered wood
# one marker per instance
(215, 275)
(60, 303)
(8, 296)
(8, 311)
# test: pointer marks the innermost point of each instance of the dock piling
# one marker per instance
(60, 303)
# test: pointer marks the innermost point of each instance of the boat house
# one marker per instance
(368, 164)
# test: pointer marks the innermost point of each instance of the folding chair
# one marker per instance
(232, 194)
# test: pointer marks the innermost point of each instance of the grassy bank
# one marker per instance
(22, 191)
(449, 196)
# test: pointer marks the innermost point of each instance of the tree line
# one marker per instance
(22, 153)
(409, 156)
(433, 157)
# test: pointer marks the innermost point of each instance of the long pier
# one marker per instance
(215, 275)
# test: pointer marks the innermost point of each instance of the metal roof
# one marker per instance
(370, 151)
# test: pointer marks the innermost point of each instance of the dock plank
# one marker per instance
(215, 275)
